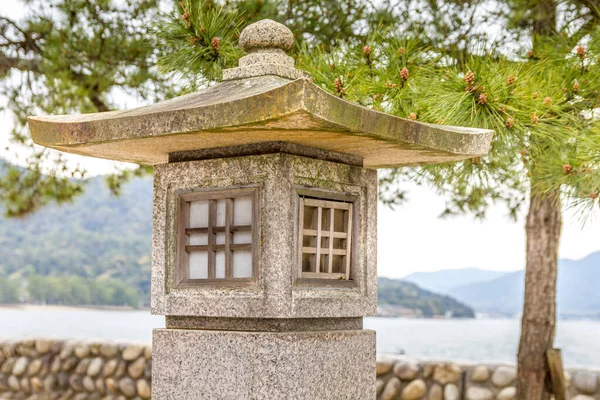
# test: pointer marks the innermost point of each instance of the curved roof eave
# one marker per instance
(255, 110)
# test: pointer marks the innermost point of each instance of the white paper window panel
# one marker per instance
(242, 211)
(242, 264)
(220, 264)
(198, 214)
(220, 238)
(198, 239)
(221, 212)
(198, 265)
(242, 237)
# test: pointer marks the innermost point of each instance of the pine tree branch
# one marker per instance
(94, 96)
(29, 42)
(7, 63)
(592, 6)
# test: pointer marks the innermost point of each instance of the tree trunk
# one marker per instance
(543, 226)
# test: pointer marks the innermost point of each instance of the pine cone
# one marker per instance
(339, 86)
(469, 79)
(216, 44)
(412, 116)
(567, 169)
(186, 18)
(404, 74)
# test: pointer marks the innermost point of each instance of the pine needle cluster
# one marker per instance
(543, 109)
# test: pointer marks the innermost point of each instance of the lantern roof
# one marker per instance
(265, 99)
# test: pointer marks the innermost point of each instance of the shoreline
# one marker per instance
(59, 307)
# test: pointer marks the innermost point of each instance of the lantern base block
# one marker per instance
(202, 364)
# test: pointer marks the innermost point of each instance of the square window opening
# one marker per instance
(325, 229)
(216, 236)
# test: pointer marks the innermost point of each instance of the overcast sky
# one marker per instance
(412, 238)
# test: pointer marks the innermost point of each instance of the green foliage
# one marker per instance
(198, 40)
(407, 58)
(409, 295)
(69, 56)
(9, 291)
(75, 290)
(99, 238)
(75, 56)
(540, 108)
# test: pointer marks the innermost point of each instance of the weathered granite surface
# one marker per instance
(264, 324)
(264, 99)
(254, 110)
(277, 293)
(266, 35)
(195, 365)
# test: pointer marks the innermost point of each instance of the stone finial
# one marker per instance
(266, 43)
(266, 35)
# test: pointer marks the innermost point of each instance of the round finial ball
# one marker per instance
(266, 34)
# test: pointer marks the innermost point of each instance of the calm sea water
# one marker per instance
(491, 340)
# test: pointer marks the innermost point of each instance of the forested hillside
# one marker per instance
(97, 251)
(410, 296)
(94, 251)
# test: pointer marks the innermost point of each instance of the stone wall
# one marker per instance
(45, 369)
(404, 378)
(51, 370)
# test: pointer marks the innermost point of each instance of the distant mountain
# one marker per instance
(78, 253)
(409, 296)
(90, 245)
(577, 291)
(445, 280)
(99, 247)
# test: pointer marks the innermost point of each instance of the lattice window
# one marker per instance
(217, 236)
(326, 235)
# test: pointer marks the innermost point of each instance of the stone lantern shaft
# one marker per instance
(265, 225)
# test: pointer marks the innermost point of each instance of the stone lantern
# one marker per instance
(264, 239)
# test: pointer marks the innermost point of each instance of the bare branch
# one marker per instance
(8, 63)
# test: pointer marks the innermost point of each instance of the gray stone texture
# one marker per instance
(435, 392)
(263, 324)
(480, 373)
(479, 393)
(504, 376)
(508, 393)
(253, 97)
(194, 364)
(444, 373)
(266, 34)
(277, 294)
(47, 369)
(475, 381)
(415, 390)
(451, 392)
(257, 110)
(407, 370)
(254, 70)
